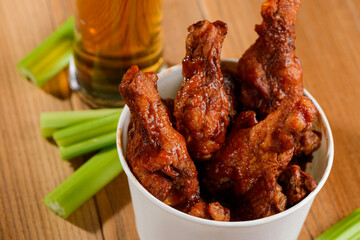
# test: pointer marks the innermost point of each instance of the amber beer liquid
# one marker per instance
(110, 37)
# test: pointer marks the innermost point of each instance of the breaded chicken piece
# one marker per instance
(250, 154)
(201, 105)
(269, 71)
(156, 152)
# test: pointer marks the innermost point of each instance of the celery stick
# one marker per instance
(51, 121)
(346, 229)
(86, 130)
(84, 182)
(87, 146)
(50, 57)
(47, 132)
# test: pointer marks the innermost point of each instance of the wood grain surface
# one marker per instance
(328, 34)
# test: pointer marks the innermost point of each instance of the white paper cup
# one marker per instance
(155, 220)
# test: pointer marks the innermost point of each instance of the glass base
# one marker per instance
(94, 97)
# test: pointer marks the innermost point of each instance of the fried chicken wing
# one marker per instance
(262, 200)
(201, 105)
(297, 184)
(269, 70)
(156, 152)
(265, 148)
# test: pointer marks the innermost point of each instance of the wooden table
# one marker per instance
(328, 35)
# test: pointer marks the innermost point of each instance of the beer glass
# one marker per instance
(110, 37)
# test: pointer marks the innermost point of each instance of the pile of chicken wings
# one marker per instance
(238, 136)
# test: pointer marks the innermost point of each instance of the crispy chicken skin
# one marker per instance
(269, 70)
(245, 119)
(262, 200)
(250, 154)
(155, 151)
(307, 142)
(211, 211)
(201, 105)
(169, 105)
(297, 184)
(231, 88)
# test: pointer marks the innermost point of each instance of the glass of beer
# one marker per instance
(110, 37)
